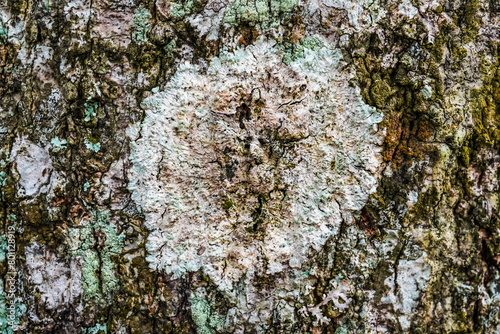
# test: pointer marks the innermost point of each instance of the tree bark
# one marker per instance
(249, 166)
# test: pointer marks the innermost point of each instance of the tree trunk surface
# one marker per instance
(234, 166)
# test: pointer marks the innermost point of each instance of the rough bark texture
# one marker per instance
(233, 166)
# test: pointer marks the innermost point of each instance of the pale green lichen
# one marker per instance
(3, 33)
(206, 321)
(86, 186)
(58, 144)
(3, 164)
(98, 274)
(3, 247)
(296, 51)
(200, 312)
(92, 146)
(90, 111)
(182, 9)
(3, 181)
(98, 328)
(141, 25)
(12, 217)
(3, 178)
(259, 12)
(342, 330)
(426, 92)
(170, 48)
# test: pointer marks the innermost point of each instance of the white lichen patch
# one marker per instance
(79, 12)
(406, 287)
(33, 166)
(338, 296)
(247, 167)
(361, 13)
(208, 21)
(407, 9)
(57, 282)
